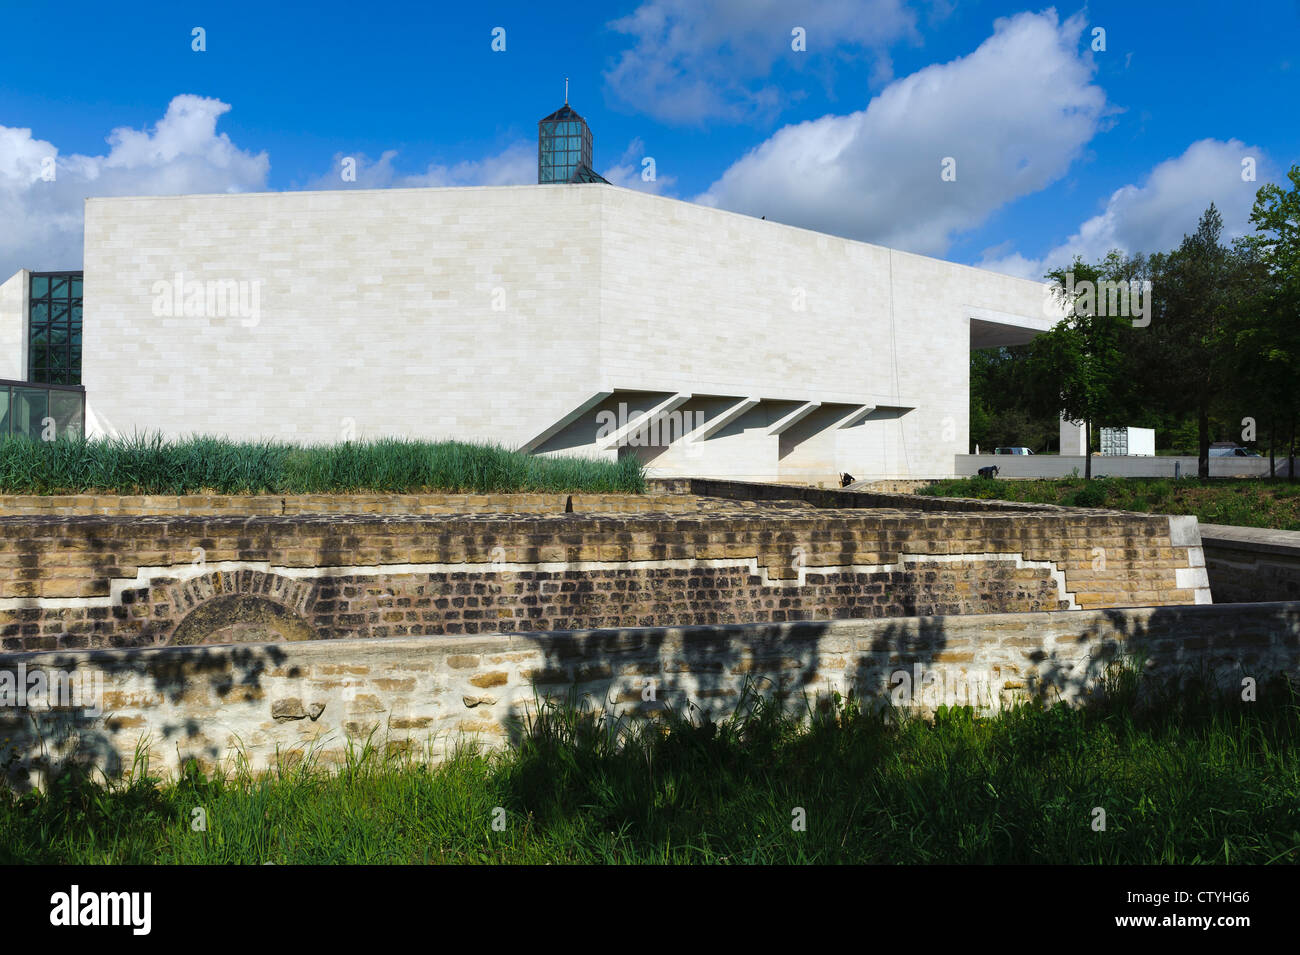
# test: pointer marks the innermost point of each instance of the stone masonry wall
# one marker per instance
(95, 581)
(292, 504)
(1253, 564)
(855, 496)
(279, 701)
(1241, 576)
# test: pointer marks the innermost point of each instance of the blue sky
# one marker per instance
(1059, 148)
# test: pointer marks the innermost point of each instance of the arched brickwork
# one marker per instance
(241, 619)
(243, 606)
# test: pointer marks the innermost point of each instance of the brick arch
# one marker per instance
(243, 606)
(241, 618)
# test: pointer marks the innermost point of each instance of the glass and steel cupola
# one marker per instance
(564, 147)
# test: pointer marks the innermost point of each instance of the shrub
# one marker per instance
(1090, 496)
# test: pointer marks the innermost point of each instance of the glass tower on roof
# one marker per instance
(564, 152)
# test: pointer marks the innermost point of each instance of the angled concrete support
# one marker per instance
(854, 416)
(555, 428)
(798, 414)
(724, 419)
(645, 420)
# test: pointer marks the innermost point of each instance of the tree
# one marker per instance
(1270, 344)
(1076, 367)
(1203, 289)
(1264, 350)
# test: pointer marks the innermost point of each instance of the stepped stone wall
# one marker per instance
(89, 581)
(276, 626)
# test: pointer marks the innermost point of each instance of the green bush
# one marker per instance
(1090, 496)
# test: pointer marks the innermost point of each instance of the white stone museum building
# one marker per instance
(562, 317)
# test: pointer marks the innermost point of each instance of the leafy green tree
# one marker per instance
(1203, 289)
(1076, 368)
(1268, 345)
(1222, 342)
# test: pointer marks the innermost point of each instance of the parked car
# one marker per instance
(1012, 451)
(1224, 449)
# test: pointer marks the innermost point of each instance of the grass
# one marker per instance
(154, 465)
(1184, 776)
(1244, 502)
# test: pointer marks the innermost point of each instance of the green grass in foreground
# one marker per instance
(153, 465)
(1191, 777)
(1246, 502)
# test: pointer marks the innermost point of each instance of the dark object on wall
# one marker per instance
(568, 504)
(846, 479)
(989, 472)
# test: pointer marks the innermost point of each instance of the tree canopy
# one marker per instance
(1200, 341)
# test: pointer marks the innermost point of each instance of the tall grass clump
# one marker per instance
(152, 464)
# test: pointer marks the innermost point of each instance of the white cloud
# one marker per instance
(514, 166)
(694, 60)
(1154, 216)
(631, 167)
(182, 154)
(1014, 114)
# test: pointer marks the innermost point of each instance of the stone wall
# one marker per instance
(889, 487)
(1251, 563)
(143, 505)
(102, 581)
(753, 492)
(283, 700)
(1113, 465)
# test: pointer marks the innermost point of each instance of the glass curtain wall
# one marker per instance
(54, 328)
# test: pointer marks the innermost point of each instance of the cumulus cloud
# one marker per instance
(631, 167)
(1154, 216)
(1013, 115)
(41, 191)
(696, 60)
(515, 165)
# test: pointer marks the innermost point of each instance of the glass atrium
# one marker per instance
(564, 148)
(51, 402)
